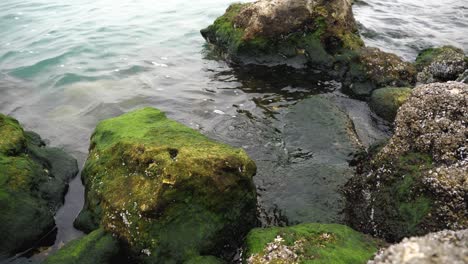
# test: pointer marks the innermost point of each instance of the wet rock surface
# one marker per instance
(33, 182)
(441, 247)
(416, 184)
(166, 190)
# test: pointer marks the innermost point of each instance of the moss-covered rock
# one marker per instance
(97, 247)
(309, 243)
(373, 68)
(386, 101)
(33, 182)
(204, 260)
(169, 192)
(279, 32)
(417, 183)
(442, 64)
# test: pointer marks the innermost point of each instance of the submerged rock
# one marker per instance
(294, 32)
(441, 64)
(418, 182)
(33, 183)
(317, 141)
(441, 247)
(373, 68)
(97, 247)
(386, 101)
(167, 191)
(309, 243)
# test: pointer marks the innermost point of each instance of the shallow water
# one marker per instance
(65, 65)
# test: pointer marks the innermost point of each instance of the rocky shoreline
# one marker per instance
(160, 192)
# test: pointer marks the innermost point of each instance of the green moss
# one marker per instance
(319, 243)
(223, 31)
(165, 188)
(12, 139)
(386, 101)
(204, 260)
(33, 181)
(97, 247)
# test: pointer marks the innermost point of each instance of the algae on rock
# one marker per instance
(309, 243)
(33, 183)
(417, 183)
(278, 31)
(168, 191)
(386, 101)
(97, 247)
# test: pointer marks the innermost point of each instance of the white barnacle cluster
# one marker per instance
(278, 251)
(146, 252)
(440, 247)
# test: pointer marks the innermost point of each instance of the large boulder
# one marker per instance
(33, 183)
(386, 101)
(167, 191)
(417, 183)
(97, 247)
(294, 32)
(309, 243)
(441, 247)
(373, 68)
(442, 64)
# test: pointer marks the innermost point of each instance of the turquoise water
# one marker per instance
(65, 65)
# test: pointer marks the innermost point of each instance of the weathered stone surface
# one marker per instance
(441, 64)
(167, 191)
(418, 182)
(33, 183)
(463, 77)
(386, 101)
(275, 31)
(441, 247)
(373, 68)
(309, 243)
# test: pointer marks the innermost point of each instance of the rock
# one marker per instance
(441, 247)
(463, 77)
(97, 247)
(33, 183)
(309, 243)
(417, 183)
(440, 64)
(167, 191)
(316, 141)
(294, 32)
(373, 68)
(386, 101)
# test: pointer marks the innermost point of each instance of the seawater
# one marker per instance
(66, 65)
